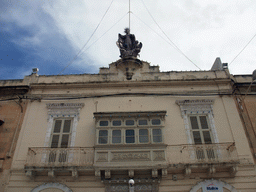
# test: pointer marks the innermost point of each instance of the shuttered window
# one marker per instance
(200, 129)
(61, 133)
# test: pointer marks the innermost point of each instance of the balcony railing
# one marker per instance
(207, 153)
(59, 157)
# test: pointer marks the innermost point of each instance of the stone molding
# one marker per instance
(203, 106)
(62, 187)
(199, 106)
(62, 110)
(212, 183)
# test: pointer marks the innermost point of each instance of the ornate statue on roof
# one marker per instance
(128, 45)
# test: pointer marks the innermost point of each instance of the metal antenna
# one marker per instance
(130, 15)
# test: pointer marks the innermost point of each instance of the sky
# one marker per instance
(79, 36)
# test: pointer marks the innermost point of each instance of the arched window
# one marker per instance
(53, 187)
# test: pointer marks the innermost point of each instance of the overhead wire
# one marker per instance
(173, 44)
(242, 49)
(88, 39)
(105, 32)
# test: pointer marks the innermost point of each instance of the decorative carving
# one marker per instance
(51, 174)
(97, 173)
(164, 172)
(75, 174)
(188, 171)
(211, 170)
(128, 45)
(154, 172)
(203, 106)
(131, 173)
(159, 156)
(107, 174)
(30, 174)
(131, 156)
(233, 170)
(102, 157)
(56, 110)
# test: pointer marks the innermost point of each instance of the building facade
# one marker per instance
(168, 131)
(245, 98)
(12, 110)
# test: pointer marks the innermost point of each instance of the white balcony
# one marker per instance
(44, 157)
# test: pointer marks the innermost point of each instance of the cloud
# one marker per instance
(56, 30)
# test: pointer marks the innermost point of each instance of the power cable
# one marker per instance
(88, 39)
(105, 32)
(242, 49)
(168, 37)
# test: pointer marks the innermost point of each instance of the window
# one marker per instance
(200, 129)
(143, 122)
(61, 133)
(129, 128)
(201, 135)
(116, 136)
(129, 122)
(60, 139)
(143, 136)
(129, 136)
(157, 135)
(103, 123)
(103, 136)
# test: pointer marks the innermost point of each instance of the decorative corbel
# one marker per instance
(131, 173)
(164, 172)
(154, 172)
(75, 174)
(211, 170)
(233, 170)
(51, 174)
(97, 173)
(30, 174)
(107, 174)
(188, 170)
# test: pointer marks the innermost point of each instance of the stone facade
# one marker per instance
(169, 131)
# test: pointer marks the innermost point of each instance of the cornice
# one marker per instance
(142, 83)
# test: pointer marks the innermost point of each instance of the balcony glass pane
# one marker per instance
(57, 126)
(103, 133)
(129, 136)
(143, 136)
(103, 136)
(66, 128)
(156, 121)
(116, 136)
(197, 137)
(143, 122)
(129, 122)
(103, 140)
(194, 123)
(203, 122)
(116, 123)
(103, 123)
(157, 135)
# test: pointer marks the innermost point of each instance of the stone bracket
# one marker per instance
(131, 173)
(30, 174)
(51, 174)
(154, 172)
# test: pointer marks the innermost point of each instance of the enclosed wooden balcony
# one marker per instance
(42, 159)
